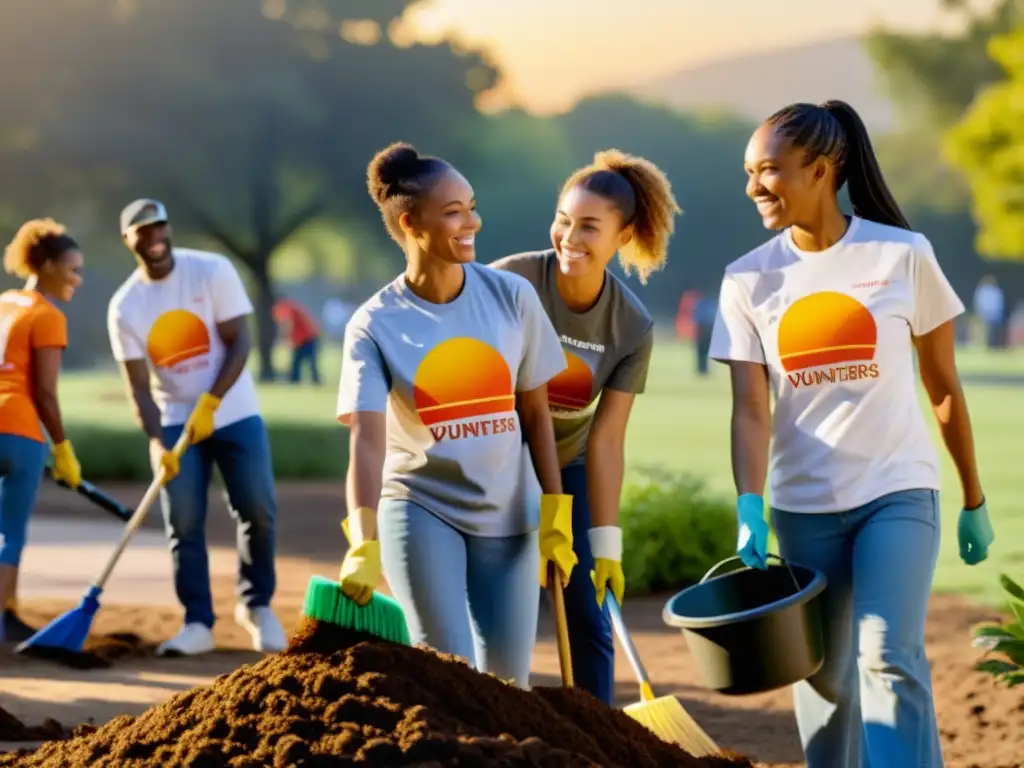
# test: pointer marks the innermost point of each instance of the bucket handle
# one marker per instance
(736, 558)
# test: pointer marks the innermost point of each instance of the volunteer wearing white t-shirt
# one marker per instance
(179, 328)
(827, 316)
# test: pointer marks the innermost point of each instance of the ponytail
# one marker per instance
(643, 195)
(869, 194)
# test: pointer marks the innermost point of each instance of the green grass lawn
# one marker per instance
(681, 423)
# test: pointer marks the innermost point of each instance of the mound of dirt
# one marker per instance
(339, 699)
(12, 729)
(99, 651)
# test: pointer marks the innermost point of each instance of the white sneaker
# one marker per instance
(192, 640)
(261, 623)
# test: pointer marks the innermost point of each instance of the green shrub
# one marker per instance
(673, 531)
(299, 451)
(1004, 644)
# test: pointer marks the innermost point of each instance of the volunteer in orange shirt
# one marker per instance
(304, 335)
(33, 333)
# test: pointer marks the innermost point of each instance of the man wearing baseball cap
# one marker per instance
(183, 316)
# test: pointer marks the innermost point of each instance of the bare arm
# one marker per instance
(751, 427)
(147, 415)
(937, 363)
(45, 370)
(540, 436)
(363, 480)
(606, 458)
(237, 343)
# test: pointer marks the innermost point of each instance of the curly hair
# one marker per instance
(397, 178)
(643, 194)
(36, 242)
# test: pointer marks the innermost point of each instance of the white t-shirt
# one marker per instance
(446, 376)
(834, 328)
(172, 324)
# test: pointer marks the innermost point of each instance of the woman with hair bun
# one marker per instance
(444, 387)
(33, 334)
(828, 316)
(619, 204)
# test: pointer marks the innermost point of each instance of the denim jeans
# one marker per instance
(306, 354)
(871, 705)
(241, 451)
(470, 596)
(590, 627)
(22, 461)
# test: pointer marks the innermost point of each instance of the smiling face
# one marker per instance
(784, 183)
(62, 276)
(587, 232)
(151, 244)
(445, 221)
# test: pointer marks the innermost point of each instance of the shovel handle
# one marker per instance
(561, 627)
(140, 513)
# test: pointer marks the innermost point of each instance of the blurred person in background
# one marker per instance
(622, 205)
(828, 315)
(33, 336)
(303, 335)
(990, 307)
(704, 314)
(444, 388)
(183, 316)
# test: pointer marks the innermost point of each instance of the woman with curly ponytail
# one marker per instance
(33, 333)
(619, 204)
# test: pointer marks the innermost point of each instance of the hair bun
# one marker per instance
(389, 167)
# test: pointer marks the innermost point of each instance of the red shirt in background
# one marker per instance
(301, 325)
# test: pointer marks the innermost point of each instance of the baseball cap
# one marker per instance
(142, 212)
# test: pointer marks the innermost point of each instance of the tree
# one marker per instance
(987, 145)
(248, 124)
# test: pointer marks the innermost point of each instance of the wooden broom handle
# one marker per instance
(561, 627)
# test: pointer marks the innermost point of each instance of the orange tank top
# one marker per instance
(28, 321)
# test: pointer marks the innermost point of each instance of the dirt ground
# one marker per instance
(982, 725)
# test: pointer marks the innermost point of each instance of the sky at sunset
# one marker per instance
(554, 51)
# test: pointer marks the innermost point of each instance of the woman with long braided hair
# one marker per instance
(828, 315)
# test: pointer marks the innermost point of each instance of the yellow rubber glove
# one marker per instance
(556, 536)
(200, 422)
(65, 465)
(360, 570)
(162, 459)
(606, 546)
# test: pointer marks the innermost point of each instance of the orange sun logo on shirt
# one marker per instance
(573, 387)
(462, 378)
(177, 336)
(827, 338)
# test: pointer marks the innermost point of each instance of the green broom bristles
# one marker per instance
(382, 617)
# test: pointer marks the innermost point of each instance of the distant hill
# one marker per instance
(756, 85)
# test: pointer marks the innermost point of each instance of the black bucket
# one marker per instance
(752, 630)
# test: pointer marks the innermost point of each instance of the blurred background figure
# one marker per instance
(990, 308)
(703, 321)
(303, 336)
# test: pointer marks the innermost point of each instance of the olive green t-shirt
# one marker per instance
(607, 347)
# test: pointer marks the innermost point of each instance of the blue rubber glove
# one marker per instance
(974, 531)
(752, 544)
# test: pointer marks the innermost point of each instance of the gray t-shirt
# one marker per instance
(607, 347)
(447, 376)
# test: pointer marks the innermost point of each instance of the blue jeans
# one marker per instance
(871, 705)
(590, 626)
(241, 451)
(22, 461)
(306, 354)
(470, 596)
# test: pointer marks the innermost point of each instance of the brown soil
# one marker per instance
(99, 651)
(336, 698)
(12, 729)
(982, 724)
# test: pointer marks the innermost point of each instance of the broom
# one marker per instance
(382, 617)
(664, 716)
(65, 635)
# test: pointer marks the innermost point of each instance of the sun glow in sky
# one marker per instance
(554, 51)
